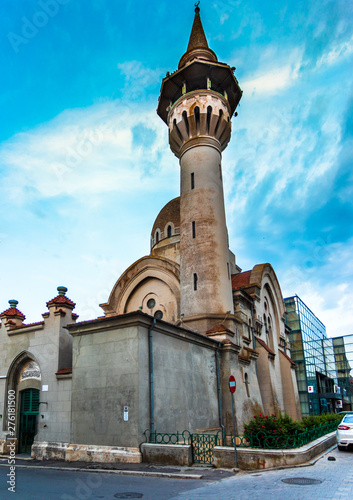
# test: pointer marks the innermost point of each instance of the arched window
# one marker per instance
(157, 236)
(169, 231)
(195, 281)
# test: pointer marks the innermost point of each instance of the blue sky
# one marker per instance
(85, 165)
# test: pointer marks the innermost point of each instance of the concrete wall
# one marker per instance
(111, 370)
(175, 454)
(254, 459)
(185, 382)
(105, 379)
(245, 407)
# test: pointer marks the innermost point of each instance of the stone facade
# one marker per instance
(46, 345)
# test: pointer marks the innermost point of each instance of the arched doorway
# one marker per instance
(24, 378)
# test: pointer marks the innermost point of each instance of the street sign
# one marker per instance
(232, 383)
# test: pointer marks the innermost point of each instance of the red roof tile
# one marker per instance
(220, 329)
(61, 299)
(38, 323)
(64, 371)
(13, 311)
(241, 279)
(264, 345)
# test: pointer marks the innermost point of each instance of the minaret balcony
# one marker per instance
(200, 116)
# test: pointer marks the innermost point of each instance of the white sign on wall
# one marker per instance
(126, 413)
(45, 388)
(310, 388)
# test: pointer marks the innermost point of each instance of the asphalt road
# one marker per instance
(45, 484)
(334, 480)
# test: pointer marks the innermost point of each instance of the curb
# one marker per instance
(307, 464)
(110, 471)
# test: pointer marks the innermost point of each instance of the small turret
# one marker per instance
(12, 316)
(61, 300)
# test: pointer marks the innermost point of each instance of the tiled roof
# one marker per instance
(220, 329)
(61, 299)
(241, 279)
(38, 323)
(286, 356)
(97, 320)
(264, 345)
(13, 311)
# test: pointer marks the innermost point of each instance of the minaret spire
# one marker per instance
(197, 37)
(198, 46)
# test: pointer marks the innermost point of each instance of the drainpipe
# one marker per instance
(219, 392)
(150, 338)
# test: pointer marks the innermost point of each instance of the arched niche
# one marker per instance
(23, 377)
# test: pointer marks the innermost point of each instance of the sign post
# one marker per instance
(232, 387)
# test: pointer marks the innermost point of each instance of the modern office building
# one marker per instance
(323, 366)
(343, 352)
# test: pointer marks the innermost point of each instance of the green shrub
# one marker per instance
(316, 420)
(283, 425)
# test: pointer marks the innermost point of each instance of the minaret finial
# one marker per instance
(197, 8)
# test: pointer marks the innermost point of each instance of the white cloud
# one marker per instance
(326, 286)
(273, 80)
(224, 18)
(335, 54)
(138, 78)
(90, 151)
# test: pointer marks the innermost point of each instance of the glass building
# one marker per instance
(343, 351)
(323, 365)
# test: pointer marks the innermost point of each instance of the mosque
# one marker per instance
(177, 323)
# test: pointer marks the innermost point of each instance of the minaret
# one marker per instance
(197, 102)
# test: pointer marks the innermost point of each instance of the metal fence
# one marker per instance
(261, 439)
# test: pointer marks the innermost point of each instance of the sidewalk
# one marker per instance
(207, 473)
(143, 469)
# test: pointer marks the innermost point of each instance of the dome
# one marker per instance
(170, 213)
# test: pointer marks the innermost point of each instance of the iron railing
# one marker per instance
(261, 439)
